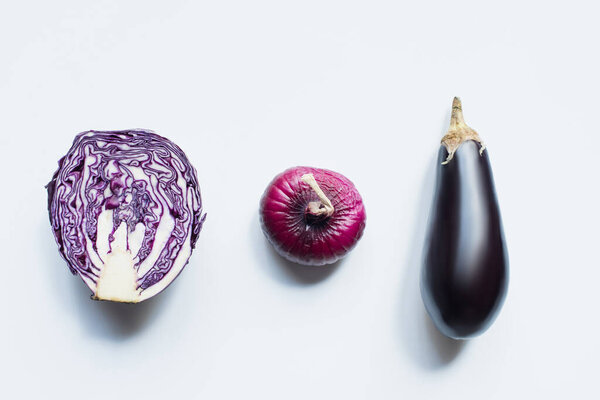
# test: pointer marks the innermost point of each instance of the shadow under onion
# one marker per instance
(303, 274)
(283, 270)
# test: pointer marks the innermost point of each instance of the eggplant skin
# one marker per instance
(464, 278)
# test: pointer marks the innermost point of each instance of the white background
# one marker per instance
(248, 89)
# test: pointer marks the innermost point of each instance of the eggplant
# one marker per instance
(464, 277)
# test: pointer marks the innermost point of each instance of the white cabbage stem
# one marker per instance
(323, 207)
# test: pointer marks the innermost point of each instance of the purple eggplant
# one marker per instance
(464, 278)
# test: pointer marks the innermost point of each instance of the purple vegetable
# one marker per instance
(126, 211)
(465, 275)
(312, 216)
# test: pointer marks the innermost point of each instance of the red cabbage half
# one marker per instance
(126, 212)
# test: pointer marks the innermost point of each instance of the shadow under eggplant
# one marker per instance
(426, 345)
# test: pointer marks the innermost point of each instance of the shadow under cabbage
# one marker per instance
(116, 320)
(108, 320)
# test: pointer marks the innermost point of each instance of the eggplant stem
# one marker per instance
(456, 119)
(324, 207)
(459, 132)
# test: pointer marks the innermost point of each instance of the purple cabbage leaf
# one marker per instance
(126, 211)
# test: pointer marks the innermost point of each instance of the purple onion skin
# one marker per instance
(298, 234)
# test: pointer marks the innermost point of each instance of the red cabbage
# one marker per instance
(126, 211)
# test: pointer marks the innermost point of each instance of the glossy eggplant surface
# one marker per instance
(464, 278)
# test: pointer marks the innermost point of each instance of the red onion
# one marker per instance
(312, 216)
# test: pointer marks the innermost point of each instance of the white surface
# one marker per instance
(248, 89)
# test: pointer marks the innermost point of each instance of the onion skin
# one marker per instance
(299, 235)
(464, 278)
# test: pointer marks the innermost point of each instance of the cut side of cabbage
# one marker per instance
(126, 211)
